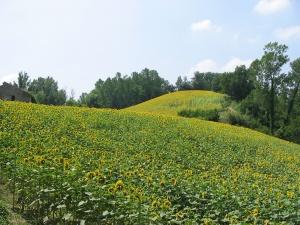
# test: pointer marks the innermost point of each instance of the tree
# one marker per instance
(23, 80)
(71, 101)
(83, 99)
(269, 76)
(123, 91)
(237, 84)
(203, 81)
(183, 84)
(45, 91)
(293, 83)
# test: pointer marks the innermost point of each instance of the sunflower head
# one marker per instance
(119, 185)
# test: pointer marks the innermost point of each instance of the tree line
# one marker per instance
(116, 92)
(264, 96)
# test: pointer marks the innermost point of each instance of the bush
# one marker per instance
(290, 132)
(211, 115)
(226, 101)
(238, 119)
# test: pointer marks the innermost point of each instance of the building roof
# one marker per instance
(15, 89)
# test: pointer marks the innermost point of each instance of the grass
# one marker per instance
(172, 103)
(7, 215)
(3, 214)
(78, 165)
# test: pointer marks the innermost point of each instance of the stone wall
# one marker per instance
(12, 93)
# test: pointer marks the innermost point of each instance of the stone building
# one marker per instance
(13, 93)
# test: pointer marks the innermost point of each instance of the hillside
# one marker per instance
(120, 167)
(172, 103)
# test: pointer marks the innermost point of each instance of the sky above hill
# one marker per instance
(77, 42)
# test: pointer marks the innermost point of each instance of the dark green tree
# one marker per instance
(269, 76)
(293, 84)
(203, 81)
(23, 80)
(183, 84)
(237, 84)
(123, 91)
(46, 91)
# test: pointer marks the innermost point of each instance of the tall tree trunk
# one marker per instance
(272, 106)
(291, 104)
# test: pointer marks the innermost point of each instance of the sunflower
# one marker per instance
(119, 185)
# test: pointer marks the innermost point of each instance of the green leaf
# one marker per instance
(67, 216)
(81, 203)
(61, 206)
(45, 219)
(105, 213)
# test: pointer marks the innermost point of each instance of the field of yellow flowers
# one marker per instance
(68, 165)
(172, 103)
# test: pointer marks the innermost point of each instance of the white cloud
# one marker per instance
(288, 32)
(8, 78)
(206, 65)
(205, 25)
(266, 7)
(209, 65)
(234, 62)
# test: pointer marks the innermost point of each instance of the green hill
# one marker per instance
(81, 165)
(171, 104)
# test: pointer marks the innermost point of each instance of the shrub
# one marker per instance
(211, 115)
(226, 101)
(236, 118)
(290, 132)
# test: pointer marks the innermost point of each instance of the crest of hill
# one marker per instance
(172, 103)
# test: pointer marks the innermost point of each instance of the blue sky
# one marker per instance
(79, 41)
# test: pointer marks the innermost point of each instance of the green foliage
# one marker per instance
(269, 76)
(237, 84)
(120, 92)
(75, 165)
(266, 96)
(3, 215)
(71, 102)
(183, 84)
(291, 132)
(236, 118)
(46, 91)
(211, 115)
(23, 80)
(82, 101)
(293, 84)
(204, 81)
(255, 106)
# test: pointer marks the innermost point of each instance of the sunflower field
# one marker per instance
(69, 165)
(172, 103)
